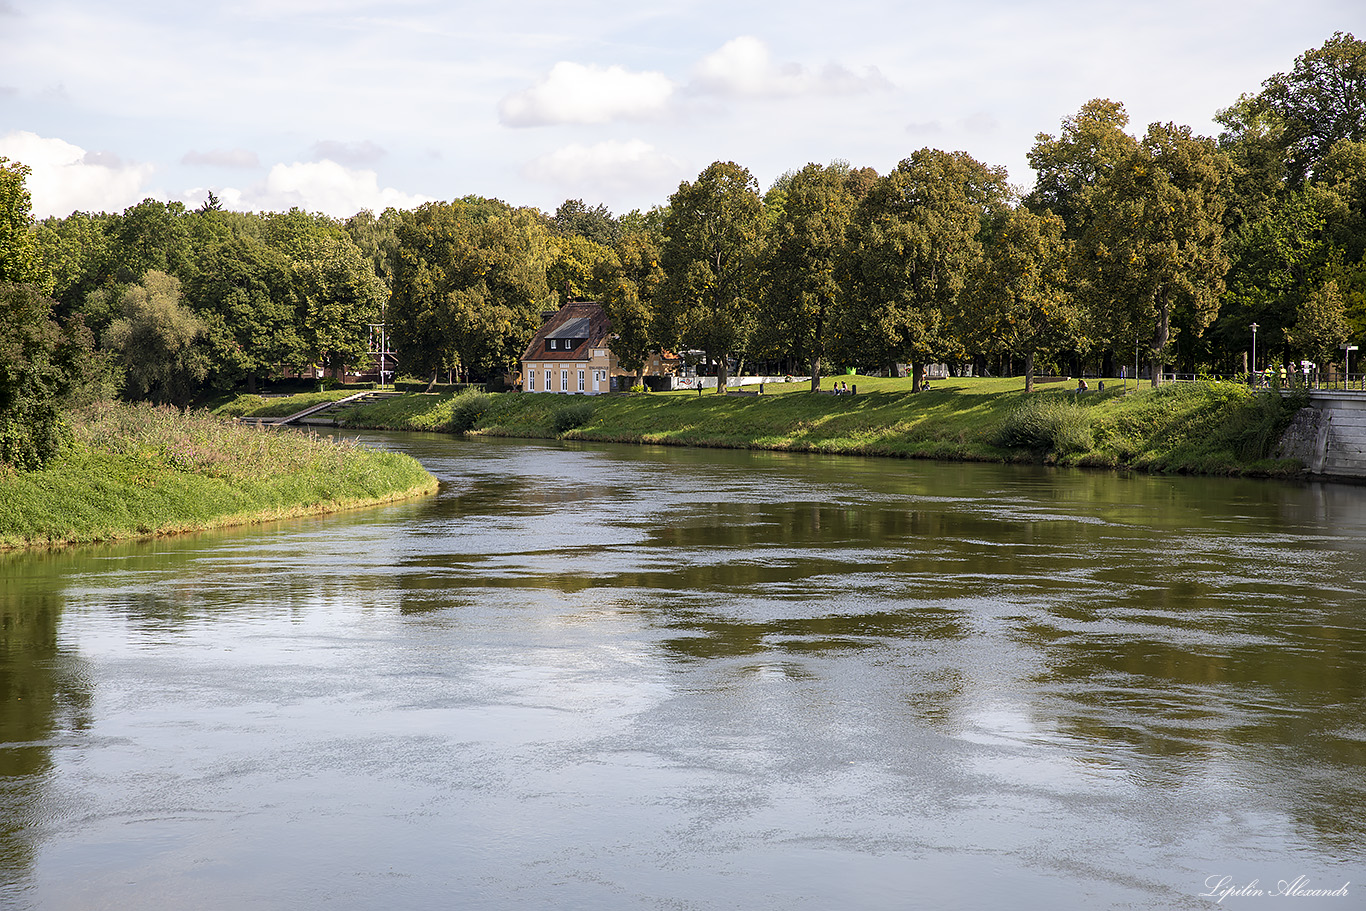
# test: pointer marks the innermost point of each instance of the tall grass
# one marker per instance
(136, 470)
(1047, 424)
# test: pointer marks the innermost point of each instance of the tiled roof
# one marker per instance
(582, 320)
(575, 328)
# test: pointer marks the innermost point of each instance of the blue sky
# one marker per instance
(339, 105)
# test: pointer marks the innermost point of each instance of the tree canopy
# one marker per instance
(1162, 238)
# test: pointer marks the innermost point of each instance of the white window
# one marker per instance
(564, 380)
(552, 344)
(547, 381)
(531, 381)
(581, 381)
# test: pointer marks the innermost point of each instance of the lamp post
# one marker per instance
(1254, 347)
(1347, 365)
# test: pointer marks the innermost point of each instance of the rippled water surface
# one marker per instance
(608, 677)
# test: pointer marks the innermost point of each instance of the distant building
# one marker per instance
(571, 353)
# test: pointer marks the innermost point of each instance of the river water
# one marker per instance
(597, 677)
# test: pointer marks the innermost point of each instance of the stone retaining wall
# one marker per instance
(1329, 436)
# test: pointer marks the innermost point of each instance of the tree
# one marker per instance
(1019, 292)
(1342, 172)
(246, 294)
(1320, 325)
(1069, 166)
(1154, 249)
(377, 238)
(576, 265)
(150, 235)
(469, 284)
(914, 240)
(336, 289)
(710, 257)
(45, 366)
(1274, 261)
(19, 259)
(75, 250)
(805, 243)
(1320, 101)
(575, 217)
(155, 340)
(1252, 139)
(629, 281)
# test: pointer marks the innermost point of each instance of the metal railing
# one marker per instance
(1354, 382)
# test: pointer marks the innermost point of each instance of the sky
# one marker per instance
(340, 105)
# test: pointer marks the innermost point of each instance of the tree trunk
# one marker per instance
(431, 384)
(917, 370)
(1029, 371)
(818, 347)
(722, 368)
(1161, 337)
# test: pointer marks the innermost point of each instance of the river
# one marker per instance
(602, 677)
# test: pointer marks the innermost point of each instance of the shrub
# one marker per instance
(571, 416)
(1047, 423)
(45, 367)
(466, 410)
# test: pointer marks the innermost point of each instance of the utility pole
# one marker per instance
(383, 347)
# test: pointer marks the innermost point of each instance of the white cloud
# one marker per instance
(610, 166)
(744, 67)
(320, 186)
(222, 158)
(66, 178)
(573, 93)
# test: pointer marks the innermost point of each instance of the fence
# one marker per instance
(1293, 379)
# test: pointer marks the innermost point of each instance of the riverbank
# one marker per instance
(1197, 428)
(136, 471)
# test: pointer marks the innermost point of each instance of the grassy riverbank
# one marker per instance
(137, 471)
(1204, 428)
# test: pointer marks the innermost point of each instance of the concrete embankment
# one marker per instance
(1329, 435)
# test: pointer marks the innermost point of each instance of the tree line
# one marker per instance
(1164, 243)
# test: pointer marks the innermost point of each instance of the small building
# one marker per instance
(571, 353)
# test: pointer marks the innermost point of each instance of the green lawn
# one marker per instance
(137, 471)
(1217, 428)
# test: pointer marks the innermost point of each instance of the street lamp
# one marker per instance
(1254, 347)
(1347, 364)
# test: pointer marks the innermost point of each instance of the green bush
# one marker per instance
(466, 410)
(45, 368)
(1047, 423)
(571, 416)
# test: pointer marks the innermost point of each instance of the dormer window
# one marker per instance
(553, 343)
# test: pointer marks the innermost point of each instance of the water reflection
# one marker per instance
(44, 691)
(637, 677)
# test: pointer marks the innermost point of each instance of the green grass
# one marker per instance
(257, 406)
(138, 471)
(413, 411)
(1210, 428)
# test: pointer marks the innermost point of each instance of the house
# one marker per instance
(571, 352)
